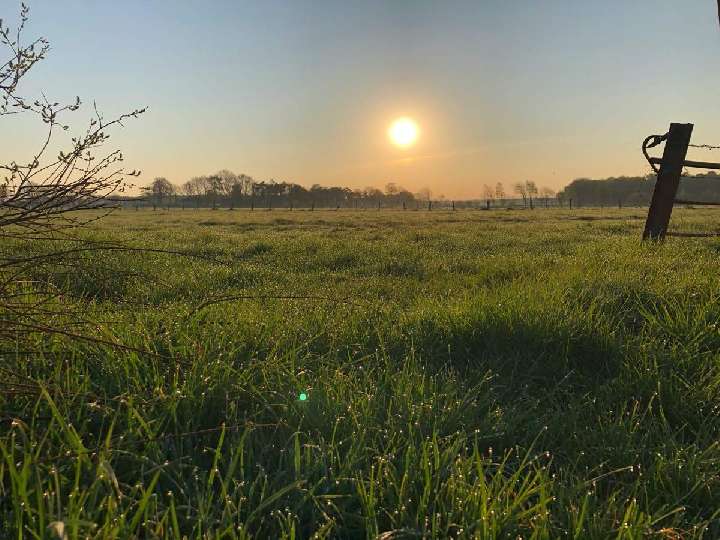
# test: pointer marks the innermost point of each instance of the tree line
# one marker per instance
(227, 189)
(638, 190)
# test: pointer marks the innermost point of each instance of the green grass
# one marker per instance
(534, 374)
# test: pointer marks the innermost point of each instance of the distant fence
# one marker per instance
(426, 205)
(669, 170)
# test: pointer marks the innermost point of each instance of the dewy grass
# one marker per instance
(372, 375)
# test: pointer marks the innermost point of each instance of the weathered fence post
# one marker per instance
(668, 179)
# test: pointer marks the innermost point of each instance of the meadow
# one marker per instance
(377, 374)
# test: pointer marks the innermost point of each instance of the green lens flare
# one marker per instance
(303, 396)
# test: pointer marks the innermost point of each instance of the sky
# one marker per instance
(304, 90)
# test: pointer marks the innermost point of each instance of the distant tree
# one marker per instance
(160, 189)
(245, 184)
(189, 189)
(531, 189)
(225, 180)
(196, 188)
(546, 193)
(373, 193)
(520, 188)
(499, 191)
(391, 188)
(424, 194)
(242, 189)
(488, 193)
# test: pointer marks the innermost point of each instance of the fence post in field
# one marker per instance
(570, 201)
(429, 205)
(453, 206)
(404, 206)
(312, 206)
(668, 179)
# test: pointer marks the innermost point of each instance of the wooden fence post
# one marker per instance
(668, 179)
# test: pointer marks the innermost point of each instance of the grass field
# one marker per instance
(382, 374)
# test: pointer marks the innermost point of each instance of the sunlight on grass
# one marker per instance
(473, 375)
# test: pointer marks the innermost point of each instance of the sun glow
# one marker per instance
(403, 132)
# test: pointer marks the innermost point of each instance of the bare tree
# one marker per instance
(499, 191)
(42, 193)
(225, 180)
(245, 184)
(521, 189)
(531, 189)
(424, 194)
(160, 189)
(41, 197)
(488, 194)
(391, 188)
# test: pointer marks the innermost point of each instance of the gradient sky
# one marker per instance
(304, 90)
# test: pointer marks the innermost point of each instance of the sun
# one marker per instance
(404, 132)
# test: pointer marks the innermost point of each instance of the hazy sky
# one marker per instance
(304, 91)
